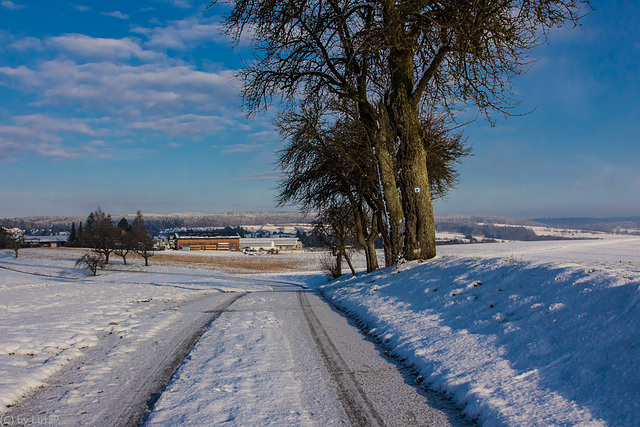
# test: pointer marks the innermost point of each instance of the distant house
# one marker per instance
(274, 243)
(205, 241)
(46, 241)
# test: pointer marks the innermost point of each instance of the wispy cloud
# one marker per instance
(47, 124)
(134, 83)
(47, 136)
(183, 4)
(80, 8)
(9, 5)
(103, 48)
(95, 146)
(264, 176)
(180, 34)
(116, 14)
(9, 149)
(27, 44)
(266, 135)
(188, 125)
(122, 87)
(242, 148)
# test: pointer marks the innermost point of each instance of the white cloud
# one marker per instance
(179, 34)
(116, 14)
(8, 150)
(183, 4)
(27, 44)
(95, 76)
(79, 7)
(55, 151)
(27, 76)
(98, 148)
(46, 136)
(264, 176)
(266, 135)
(187, 125)
(9, 5)
(117, 87)
(46, 123)
(104, 48)
(242, 148)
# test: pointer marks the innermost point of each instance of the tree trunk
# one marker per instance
(381, 136)
(386, 244)
(419, 221)
(366, 234)
(420, 232)
(393, 205)
(419, 225)
(372, 256)
(348, 259)
(392, 210)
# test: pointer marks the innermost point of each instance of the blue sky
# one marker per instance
(133, 106)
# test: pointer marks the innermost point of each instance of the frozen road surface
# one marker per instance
(202, 352)
(285, 357)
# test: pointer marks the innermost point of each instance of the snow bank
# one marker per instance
(515, 340)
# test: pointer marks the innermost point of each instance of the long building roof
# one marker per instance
(206, 235)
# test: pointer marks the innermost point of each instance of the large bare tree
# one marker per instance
(328, 162)
(397, 60)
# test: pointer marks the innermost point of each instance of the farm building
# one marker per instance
(276, 243)
(46, 241)
(205, 241)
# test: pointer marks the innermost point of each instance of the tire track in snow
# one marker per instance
(356, 404)
(117, 382)
(152, 382)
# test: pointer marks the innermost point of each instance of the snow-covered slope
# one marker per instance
(541, 333)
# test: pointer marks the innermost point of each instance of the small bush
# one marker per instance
(91, 261)
(329, 264)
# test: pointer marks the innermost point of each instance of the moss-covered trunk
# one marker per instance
(419, 224)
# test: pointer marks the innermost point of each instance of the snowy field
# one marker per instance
(51, 313)
(536, 333)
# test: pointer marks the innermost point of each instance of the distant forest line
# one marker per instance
(158, 222)
(477, 225)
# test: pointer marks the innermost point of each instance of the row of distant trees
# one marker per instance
(105, 237)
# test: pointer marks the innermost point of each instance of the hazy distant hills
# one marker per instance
(485, 219)
(587, 224)
(235, 219)
(173, 220)
(592, 224)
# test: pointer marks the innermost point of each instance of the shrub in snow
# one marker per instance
(90, 261)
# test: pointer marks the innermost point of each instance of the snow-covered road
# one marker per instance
(285, 357)
(114, 381)
(100, 350)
